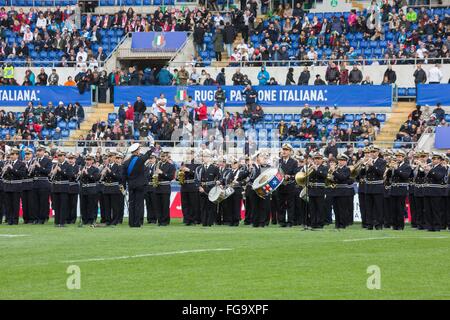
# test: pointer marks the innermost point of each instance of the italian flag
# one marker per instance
(182, 95)
(159, 39)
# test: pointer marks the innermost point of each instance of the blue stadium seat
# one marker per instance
(65, 133)
(402, 92)
(277, 117)
(411, 91)
(288, 117)
(112, 117)
(349, 117)
(270, 126)
(343, 126)
(381, 117)
(259, 126)
(73, 125)
(62, 125)
(297, 117)
(44, 132)
(268, 117)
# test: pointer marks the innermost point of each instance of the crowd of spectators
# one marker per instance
(41, 122)
(420, 121)
(388, 31)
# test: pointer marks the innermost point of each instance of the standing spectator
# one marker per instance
(290, 77)
(129, 114)
(263, 76)
(420, 77)
(435, 74)
(70, 82)
(238, 78)
(220, 97)
(343, 76)
(229, 34)
(319, 81)
(53, 79)
(164, 77)
(332, 74)
(374, 121)
(303, 80)
(250, 96)
(201, 112)
(199, 38)
(161, 104)
(390, 74)
(183, 76)
(355, 76)
(139, 109)
(217, 114)
(218, 44)
(220, 78)
(42, 78)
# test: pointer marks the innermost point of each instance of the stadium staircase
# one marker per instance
(398, 116)
(99, 113)
(225, 58)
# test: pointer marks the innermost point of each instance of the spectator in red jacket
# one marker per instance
(201, 112)
(129, 114)
(343, 76)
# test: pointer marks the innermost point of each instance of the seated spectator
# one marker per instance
(317, 114)
(257, 114)
(367, 81)
(439, 112)
(306, 112)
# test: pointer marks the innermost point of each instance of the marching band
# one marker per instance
(291, 189)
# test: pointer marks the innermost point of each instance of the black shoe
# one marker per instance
(246, 223)
(255, 226)
(274, 222)
(283, 225)
(379, 228)
(289, 225)
(369, 227)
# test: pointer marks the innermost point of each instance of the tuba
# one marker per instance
(355, 169)
(302, 176)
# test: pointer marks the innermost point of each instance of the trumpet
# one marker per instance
(80, 173)
(7, 166)
(103, 173)
(54, 171)
(32, 166)
(329, 180)
(355, 169)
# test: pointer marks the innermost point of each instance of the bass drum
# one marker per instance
(217, 194)
(267, 182)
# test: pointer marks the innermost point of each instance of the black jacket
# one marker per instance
(304, 78)
(374, 176)
(168, 174)
(400, 180)
(89, 181)
(40, 174)
(137, 178)
(60, 182)
(207, 177)
(12, 178)
(290, 168)
(113, 179)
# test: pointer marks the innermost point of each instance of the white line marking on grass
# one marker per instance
(147, 255)
(383, 238)
(13, 235)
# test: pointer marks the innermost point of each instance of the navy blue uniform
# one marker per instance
(162, 193)
(316, 194)
(375, 193)
(399, 192)
(435, 190)
(208, 175)
(136, 181)
(89, 195)
(12, 181)
(60, 192)
(343, 197)
(189, 195)
(42, 188)
(286, 192)
(74, 190)
(112, 196)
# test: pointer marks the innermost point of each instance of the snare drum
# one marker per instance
(267, 182)
(217, 194)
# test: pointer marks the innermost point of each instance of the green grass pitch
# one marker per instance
(221, 262)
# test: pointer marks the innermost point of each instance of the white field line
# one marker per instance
(383, 238)
(147, 255)
(12, 235)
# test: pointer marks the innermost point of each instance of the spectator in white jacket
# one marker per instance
(435, 74)
(216, 114)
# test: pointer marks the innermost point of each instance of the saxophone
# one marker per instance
(155, 179)
(181, 176)
(329, 181)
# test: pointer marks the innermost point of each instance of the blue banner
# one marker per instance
(442, 138)
(157, 41)
(16, 96)
(268, 96)
(433, 93)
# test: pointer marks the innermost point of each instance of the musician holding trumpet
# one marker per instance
(41, 185)
(12, 174)
(401, 171)
(189, 190)
(374, 169)
(343, 192)
(418, 215)
(27, 188)
(60, 176)
(164, 173)
(286, 192)
(89, 177)
(111, 177)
